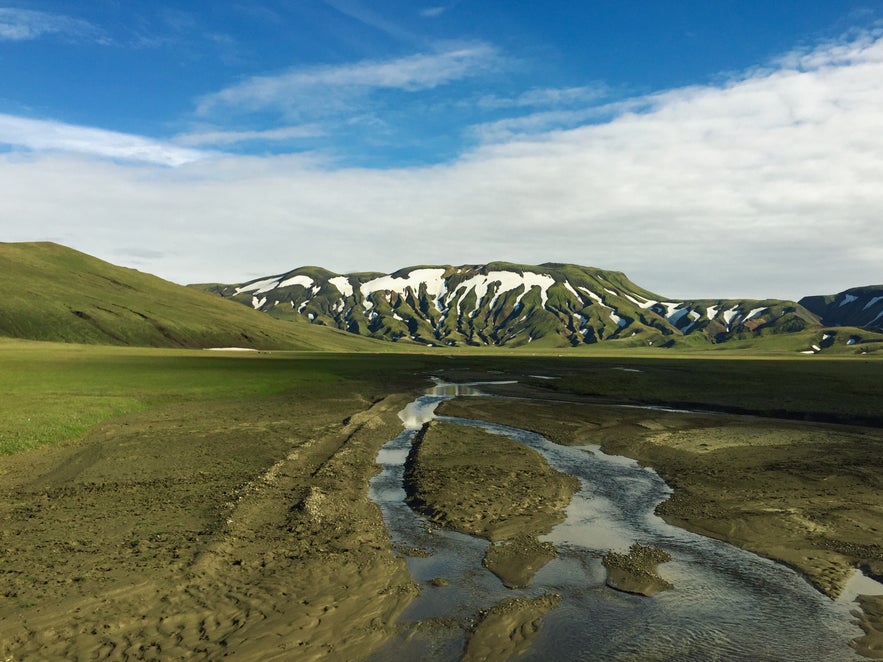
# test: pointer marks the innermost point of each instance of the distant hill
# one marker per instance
(55, 293)
(858, 306)
(550, 305)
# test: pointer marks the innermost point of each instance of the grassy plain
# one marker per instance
(177, 503)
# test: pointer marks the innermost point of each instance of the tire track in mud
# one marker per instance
(297, 559)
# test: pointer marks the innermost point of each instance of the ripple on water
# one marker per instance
(727, 604)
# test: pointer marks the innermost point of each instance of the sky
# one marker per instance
(706, 149)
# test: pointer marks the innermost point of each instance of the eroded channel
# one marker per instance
(726, 604)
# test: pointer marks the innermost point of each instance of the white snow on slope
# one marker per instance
(646, 304)
(259, 287)
(754, 312)
(593, 296)
(672, 313)
(711, 312)
(730, 314)
(872, 302)
(571, 290)
(848, 298)
(508, 281)
(303, 281)
(257, 303)
(343, 285)
(619, 321)
(432, 278)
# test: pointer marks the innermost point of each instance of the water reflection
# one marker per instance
(726, 603)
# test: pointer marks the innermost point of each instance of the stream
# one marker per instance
(726, 604)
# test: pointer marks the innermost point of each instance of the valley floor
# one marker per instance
(243, 528)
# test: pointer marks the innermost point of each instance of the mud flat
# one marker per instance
(635, 572)
(482, 484)
(508, 628)
(807, 495)
(238, 529)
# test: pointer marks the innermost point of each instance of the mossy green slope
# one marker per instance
(55, 293)
(503, 304)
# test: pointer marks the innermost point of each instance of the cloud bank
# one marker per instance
(765, 185)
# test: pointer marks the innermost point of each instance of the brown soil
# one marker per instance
(807, 495)
(508, 628)
(486, 485)
(516, 561)
(635, 572)
(228, 529)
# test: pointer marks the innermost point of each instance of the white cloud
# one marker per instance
(317, 87)
(433, 12)
(545, 97)
(764, 185)
(25, 24)
(234, 137)
(47, 135)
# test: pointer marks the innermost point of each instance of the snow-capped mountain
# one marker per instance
(858, 306)
(507, 304)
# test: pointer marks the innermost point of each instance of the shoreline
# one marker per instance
(759, 484)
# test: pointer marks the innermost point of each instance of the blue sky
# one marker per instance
(705, 148)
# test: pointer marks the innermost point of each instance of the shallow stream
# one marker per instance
(726, 604)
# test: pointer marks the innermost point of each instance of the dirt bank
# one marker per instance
(197, 532)
(807, 495)
(471, 481)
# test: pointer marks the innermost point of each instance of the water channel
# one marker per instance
(726, 604)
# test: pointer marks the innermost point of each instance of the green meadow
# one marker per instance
(52, 392)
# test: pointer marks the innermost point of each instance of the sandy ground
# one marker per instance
(244, 529)
(635, 572)
(471, 481)
(234, 529)
(807, 495)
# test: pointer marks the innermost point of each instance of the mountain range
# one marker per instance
(55, 293)
(550, 305)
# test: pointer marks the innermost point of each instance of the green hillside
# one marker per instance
(55, 293)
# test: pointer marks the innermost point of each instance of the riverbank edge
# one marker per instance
(869, 611)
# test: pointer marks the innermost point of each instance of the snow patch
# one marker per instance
(872, 302)
(257, 303)
(303, 281)
(594, 297)
(754, 312)
(343, 285)
(817, 348)
(641, 304)
(301, 307)
(711, 312)
(619, 321)
(571, 290)
(433, 279)
(259, 287)
(730, 315)
(508, 281)
(826, 336)
(848, 298)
